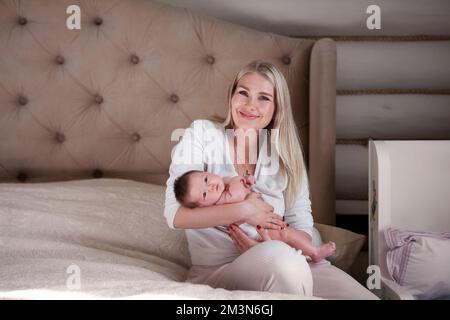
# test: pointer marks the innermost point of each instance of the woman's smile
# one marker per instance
(248, 115)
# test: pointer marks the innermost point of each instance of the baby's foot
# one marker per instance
(324, 251)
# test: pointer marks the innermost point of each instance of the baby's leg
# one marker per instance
(323, 251)
(299, 240)
(317, 253)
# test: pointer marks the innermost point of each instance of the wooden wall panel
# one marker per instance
(380, 64)
(393, 117)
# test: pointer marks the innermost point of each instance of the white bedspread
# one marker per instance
(110, 230)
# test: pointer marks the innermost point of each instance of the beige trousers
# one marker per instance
(269, 266)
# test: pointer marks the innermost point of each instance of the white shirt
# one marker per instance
(204, 146)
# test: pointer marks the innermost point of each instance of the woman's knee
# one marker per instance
(272, 247)
(284, 269)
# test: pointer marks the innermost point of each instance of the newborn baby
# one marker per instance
(203, 189)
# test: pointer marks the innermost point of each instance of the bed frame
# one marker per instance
(409, 183)
(103, 100)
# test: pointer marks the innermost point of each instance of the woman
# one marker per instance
(258, 99)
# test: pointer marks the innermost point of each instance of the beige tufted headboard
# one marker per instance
(103, 101)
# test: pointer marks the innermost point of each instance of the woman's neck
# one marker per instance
(246, 146)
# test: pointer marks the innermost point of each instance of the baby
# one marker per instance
(203, 189)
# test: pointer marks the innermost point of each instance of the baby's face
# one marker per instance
(205, 188)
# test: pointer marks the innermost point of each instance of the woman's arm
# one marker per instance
(186, 156)
(253, 210)
(299, 217)
(186, 218)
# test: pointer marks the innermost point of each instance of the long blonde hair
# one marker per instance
(288, 145)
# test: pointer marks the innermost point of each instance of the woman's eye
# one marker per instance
(204, 195)
(264, 98)
(206, 179)
(244, 93)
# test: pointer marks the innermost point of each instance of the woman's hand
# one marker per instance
(257, 212)
(282, 235)
(241, 240)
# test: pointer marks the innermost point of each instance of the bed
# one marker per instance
(88, 117)
(409, 183)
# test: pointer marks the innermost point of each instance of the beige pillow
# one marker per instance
(348, 244)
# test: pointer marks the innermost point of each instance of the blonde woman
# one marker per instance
(258, 99)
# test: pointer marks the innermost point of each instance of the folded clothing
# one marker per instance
(420, 261)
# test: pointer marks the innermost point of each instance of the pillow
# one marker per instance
(348, 245)
(419, 261)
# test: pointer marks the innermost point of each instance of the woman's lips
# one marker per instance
(248, 116)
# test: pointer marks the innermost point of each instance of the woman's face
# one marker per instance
(253, 104)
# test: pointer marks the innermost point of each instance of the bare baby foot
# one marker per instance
(324, 251)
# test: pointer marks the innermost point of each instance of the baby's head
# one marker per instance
(198, 189)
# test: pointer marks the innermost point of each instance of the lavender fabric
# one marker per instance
(400, 243)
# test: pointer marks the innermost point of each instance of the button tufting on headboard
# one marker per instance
(174, 98)
(22, 21)
(21, 176)
(22, 100)
(98, 21)
(135, 137)
(97, 173)
(286, 59)
(60, 137)
(210, 59)
(98, 99)
(134, 59)
(60, 59)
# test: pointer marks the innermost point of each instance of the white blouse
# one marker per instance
(204, 146)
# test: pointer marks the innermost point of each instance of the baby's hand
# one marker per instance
(250, 180)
